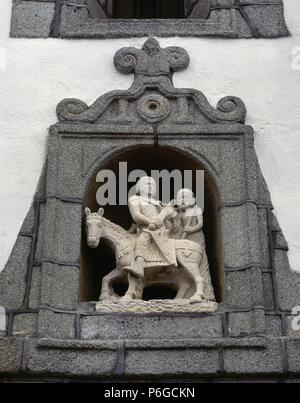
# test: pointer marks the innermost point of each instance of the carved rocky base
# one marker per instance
(156, 306)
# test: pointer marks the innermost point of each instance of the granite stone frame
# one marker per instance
(50, 335)
(94, 19)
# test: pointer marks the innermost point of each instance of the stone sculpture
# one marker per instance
(52, 331)
(157, 250)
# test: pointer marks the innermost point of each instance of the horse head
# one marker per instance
(94, 227)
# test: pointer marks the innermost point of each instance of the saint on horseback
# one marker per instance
(150, 250)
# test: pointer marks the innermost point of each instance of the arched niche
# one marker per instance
(96, 263)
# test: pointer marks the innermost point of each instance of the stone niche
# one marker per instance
(149, 158)
(51, 281)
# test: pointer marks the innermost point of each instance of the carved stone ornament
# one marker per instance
(153, 68)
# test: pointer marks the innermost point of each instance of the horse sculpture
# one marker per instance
(185, 277)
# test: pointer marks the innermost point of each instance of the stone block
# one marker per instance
(118, 327)
(240, 235)
(56, 325)
(288, 282)
(72, 161)
(35, 288)
(280, 241)
(94, 362)
(293, 354)
(40, 235)
(246, 323)
(268, 291)
(257, 189)
(10, 355)
(13, 277)
(232, 179)
(25, 324)
(60, 286)
(264, 250)
(254, 361)
(31, 19)
(244, 288)
(268, 19)
(273, 325)
(63, 228)
(172, 362)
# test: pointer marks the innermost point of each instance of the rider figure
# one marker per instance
(152, 233)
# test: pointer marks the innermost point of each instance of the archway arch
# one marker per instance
(95, 264)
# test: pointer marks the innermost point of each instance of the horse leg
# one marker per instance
(191, 268)
(184, 286)
(106, 292)
(135, 288)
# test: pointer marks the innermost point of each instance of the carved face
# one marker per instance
(146, 186)
(94, 226)
(185, 197)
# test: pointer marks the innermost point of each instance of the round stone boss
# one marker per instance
(153, 108)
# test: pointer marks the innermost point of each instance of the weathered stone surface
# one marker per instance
(195, 343)
(171, 362)
(156, 306)
(252, 361)
(273, 325)
(133, 28)
(224, 23)
(269, 20)
(244, 288)
(12, 278)
(268, 291)
(56, 325)
(288, 282)
(75, 159)
(240, 235)
(28, 224)
(70, 361)
(31, 19)
(257, 189)
(40, 234)
(230, 163)
(35, 288)
(63, 223)
(280, 241)
(60, 286)
(246, 323)
(114, 327)
(10, 355)
(25, 324)
(264, 250)
(293, 353)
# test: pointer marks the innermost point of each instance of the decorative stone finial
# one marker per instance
(153, 68)
(151, 60)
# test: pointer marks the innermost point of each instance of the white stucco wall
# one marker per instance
(37, 74)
